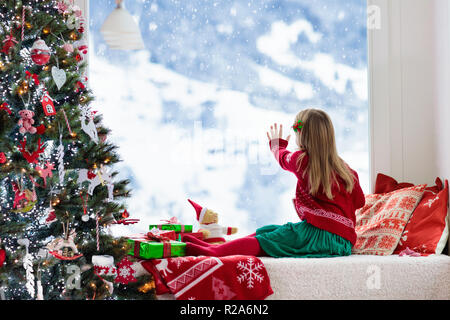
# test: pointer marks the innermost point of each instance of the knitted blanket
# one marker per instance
(210, 278)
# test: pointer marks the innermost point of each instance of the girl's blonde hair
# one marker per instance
(317, 138)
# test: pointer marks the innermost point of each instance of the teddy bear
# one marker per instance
(26, 122)
(212, 231)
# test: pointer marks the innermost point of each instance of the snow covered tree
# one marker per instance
(58, 197)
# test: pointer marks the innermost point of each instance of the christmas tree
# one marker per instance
(58, 194)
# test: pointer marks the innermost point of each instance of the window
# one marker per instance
(190, 113)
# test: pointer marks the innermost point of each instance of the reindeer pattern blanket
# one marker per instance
(211, 278)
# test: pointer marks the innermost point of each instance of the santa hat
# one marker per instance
(199, 210)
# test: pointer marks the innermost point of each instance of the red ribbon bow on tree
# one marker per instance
(8, 43)
(32, 76)
(126, 222)
(79, 86)
(4, 106)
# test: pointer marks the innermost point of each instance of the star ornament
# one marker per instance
(125, 272)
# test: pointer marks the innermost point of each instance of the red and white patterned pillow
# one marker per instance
(427, 229)
(380, 223)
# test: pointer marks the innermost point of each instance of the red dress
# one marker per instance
(336, 216)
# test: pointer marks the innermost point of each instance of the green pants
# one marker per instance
(301, 240)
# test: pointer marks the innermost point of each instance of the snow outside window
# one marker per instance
(191, 111)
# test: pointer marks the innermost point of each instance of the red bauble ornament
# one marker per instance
(2, 158)
(40, 52)
(2, 257)
(41, 129)
(125, 214)
(68, 47)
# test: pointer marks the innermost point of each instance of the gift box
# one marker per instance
(183, 228)
(156, 234)
(198, 235)
(156, 250)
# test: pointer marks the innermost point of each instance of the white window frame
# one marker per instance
(406, 69)
(84, 6)
(380, 99)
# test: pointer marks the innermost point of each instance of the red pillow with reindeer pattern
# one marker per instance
(427, 229)
(380, 223)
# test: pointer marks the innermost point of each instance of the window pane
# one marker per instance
(190, 113)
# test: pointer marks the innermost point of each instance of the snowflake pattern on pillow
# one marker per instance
(380, 223)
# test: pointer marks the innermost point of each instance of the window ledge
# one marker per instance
(357, 278)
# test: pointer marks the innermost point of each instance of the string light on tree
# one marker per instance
(46, 30)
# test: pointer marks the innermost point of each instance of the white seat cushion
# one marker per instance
(360, 277)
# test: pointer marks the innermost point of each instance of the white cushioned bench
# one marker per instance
(358, 277)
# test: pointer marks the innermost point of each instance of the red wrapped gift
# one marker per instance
(156, 234)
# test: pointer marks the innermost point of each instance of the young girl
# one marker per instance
(328, 193)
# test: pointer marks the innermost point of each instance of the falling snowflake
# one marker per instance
(249, 272)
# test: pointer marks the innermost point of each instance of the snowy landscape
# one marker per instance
(191, 111)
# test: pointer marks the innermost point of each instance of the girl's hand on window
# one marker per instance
(275, 133)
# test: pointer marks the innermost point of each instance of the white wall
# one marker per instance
(442, 101)
(409, 90)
